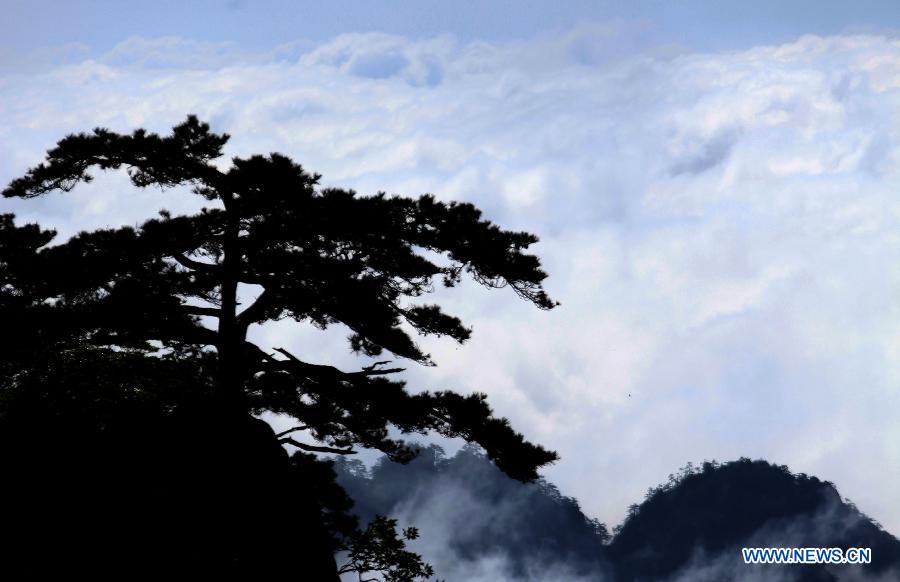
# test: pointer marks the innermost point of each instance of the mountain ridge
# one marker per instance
(484, 526)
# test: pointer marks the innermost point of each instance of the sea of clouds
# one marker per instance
(721, 229)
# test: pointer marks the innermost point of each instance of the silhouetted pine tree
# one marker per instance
(123, 300)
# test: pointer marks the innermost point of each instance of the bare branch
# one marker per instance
(316, 449)
(290, 430)
(292, 357)
(375, 365)
(331, 370)
(367, 372)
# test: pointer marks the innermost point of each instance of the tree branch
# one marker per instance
(198, 310)
(290, 430)
(331, 370)
(373, 371)
(316, 449)
(252, 313)
(184, 261)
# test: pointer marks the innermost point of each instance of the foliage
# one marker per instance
(322, 256)
(379, 548)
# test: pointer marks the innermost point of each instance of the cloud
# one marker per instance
(478, 524)
(720, 228)
(447, 510)
(381, 56)
(172, 52)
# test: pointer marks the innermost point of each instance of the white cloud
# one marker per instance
(720, 228)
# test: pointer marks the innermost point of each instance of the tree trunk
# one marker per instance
(230, 373)
(291, 541)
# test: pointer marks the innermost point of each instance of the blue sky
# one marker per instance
(697, 24)
(715, 190)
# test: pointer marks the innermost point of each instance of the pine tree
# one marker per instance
(324, 256)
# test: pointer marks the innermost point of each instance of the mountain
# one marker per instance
(475, 522)
(479, 525)
(693, 528)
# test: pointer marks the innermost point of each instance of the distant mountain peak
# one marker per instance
(478, 524)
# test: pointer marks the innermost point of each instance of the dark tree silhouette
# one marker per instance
(136, 298)
(379, 549)
(114, 467)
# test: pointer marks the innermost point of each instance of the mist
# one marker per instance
(479, 525)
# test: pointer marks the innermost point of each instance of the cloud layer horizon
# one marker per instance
(720, 228)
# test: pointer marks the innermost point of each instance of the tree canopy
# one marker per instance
(323, 256)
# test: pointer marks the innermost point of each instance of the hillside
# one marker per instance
(477, 524)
